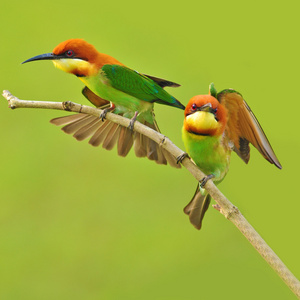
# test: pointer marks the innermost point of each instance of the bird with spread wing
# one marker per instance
(214, 126)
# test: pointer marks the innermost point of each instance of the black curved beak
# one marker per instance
(46, 56)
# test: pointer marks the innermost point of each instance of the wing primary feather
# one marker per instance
(125, 141)
(151, 146)
(155, 151)
(73, 127)
(111, 137)
(171, 159)
(67, 119)
(100, 134)
(139, 147)
(258, 138)
(83, 126)
(243, 127)
(161, 158)
(87, 130)
(151, 150)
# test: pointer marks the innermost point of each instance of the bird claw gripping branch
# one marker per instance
(204, 180)
(181, 157)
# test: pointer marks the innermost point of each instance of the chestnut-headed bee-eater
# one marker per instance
(214, 125)
(114, 87)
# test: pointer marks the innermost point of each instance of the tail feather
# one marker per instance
(197, 208)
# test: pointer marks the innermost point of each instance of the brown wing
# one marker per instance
(94, 99)
(243, 127)
(107, 133)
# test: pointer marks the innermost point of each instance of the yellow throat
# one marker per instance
(202, 121)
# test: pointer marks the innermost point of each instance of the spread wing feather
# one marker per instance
(243, 128)
(107, 133)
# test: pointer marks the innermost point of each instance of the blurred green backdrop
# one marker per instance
(78, 222)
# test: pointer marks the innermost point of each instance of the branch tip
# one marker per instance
(217, 207)
(10, 98)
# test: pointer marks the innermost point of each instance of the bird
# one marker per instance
(116, 88)
(215, 125)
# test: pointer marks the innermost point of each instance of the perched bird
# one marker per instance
(214, 125)
(114, 87)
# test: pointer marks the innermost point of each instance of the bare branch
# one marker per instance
(223, 204)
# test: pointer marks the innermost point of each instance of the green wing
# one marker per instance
(138, 85)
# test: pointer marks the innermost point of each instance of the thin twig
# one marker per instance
(224, 205)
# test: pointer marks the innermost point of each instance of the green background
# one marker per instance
(78, 222)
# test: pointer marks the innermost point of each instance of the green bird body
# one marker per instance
(209, 153)
(129, 91)
(110, 83)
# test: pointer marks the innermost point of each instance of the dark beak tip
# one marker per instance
(46, 56)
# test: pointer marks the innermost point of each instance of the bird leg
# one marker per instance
(132, 121)
(205, 179)
(106, 110)
(181, 157)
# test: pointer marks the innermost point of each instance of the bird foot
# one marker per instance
(204, 180)
(132, 121)
(181, 157)
(105, 111)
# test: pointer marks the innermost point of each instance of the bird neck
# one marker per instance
(105, 59)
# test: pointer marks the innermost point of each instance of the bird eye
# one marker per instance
(194, 106)
(70, 53)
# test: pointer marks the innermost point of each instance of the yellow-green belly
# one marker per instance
(209, 153)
